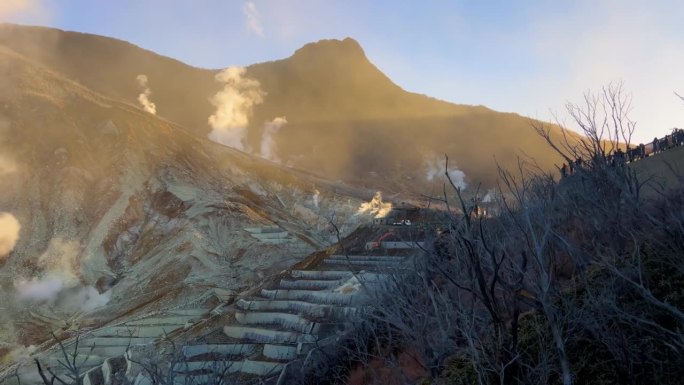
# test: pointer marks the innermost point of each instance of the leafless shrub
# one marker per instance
(567, 270)
(163, 364)
(70, 364)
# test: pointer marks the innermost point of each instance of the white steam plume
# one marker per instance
(490, 196)
(23, 353)
(61, 270)
(316, 197)
(10, 8)
(435, 169)
(52, 289)
(375, 207)
(268, 143)
(233, 107)
(43, 289)
(61, 259)
(9, 234)
(144, 97)
(88, 298)
(59, 284)
(253, 18)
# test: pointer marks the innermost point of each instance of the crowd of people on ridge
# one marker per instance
(633, 153)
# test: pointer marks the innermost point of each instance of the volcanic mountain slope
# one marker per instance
(345, 118)
(119, 206)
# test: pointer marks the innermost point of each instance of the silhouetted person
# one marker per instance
(619, 157)
(662, 145)
(655, 145)
(680, 136)
(610, 160)
(642, 151)
(564, 170)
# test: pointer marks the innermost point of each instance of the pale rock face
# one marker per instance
(119, 208)
(151, 230)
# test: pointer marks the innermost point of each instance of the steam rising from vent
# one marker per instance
(490, 196)
(144, 97)
(253, 19)
(59, 285)
(233, 107)
(43, 289)
(53, 290)
(61, 260)
(9, 234)
(18, 7)
(435, 168)
(376, 207)
(268, 143)
(23, 353)
(316, 197)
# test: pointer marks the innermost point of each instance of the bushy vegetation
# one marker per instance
(578, 280)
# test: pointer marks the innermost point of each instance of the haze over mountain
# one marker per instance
(103, 190)
(173, 224)
(117, 206)
(111, 200)
(345, 118)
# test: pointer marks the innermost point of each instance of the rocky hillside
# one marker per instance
(117, 206)
(346, 119)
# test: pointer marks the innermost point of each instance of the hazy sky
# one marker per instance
(529, 57)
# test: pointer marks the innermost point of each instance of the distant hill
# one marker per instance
(346, 119)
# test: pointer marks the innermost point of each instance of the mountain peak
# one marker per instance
(331, 48)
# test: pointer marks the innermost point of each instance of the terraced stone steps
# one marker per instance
(321, 274)
(261, 368)
(267, 335)
(207, 372)
(319, 297)
(248, 366)
(29, 371)
(115, 341)
(263, 359)
(193, 351)
(280, 323)
(388, 258)
(288, 318)
(103, 351)
(285, 321)
(114, 370)
(136, 331)
(94, 376)
(81, 359)
(309, 284)
(361, 262)
(284, 352)
(196, 312)
(314, 310)
(165, 320)
(188, 379)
